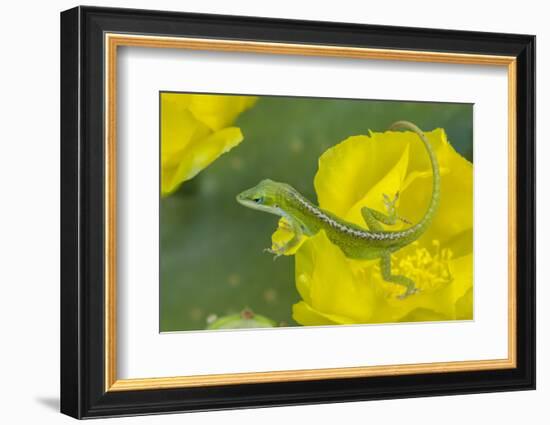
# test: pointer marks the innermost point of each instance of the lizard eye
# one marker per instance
(258, 200)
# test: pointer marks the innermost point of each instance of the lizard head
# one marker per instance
(266, 196)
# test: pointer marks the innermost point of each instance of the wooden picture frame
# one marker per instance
(90, 39)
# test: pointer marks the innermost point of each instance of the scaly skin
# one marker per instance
(356, 242)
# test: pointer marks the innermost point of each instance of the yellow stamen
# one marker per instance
(429, 269)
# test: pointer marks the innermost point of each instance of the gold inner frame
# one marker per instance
(113, 41)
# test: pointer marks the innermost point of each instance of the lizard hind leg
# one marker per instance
(385, 268)
(373, 217)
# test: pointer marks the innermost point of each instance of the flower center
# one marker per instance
(429, 269)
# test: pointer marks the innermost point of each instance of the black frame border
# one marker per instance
(82, 212)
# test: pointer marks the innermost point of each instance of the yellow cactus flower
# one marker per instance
(355, 173)
(195, 130)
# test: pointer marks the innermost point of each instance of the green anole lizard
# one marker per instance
(356, 242)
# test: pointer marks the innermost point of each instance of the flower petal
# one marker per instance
(218, 111)
(307, 316)
(349, 169)
(390, 184)
(195, 132)
(424, 315)
(178, 127)
(440, 301)
(334, 288)
(465, 306)
(462, 270)
(199, 154)
(284, 234)
(419, 159)
(455, 213)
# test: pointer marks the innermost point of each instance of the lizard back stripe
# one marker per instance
(346, 229)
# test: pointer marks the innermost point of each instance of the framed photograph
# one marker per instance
(261, 212)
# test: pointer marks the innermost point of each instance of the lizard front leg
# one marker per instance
(279, 250)
(385, 268)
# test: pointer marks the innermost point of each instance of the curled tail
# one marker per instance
(421, 226)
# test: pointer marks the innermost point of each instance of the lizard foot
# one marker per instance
(388, 202)
(404, 220)
(408, 292)
(391, 209)
(277, 252)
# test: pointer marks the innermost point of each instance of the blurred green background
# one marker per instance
(211, 248)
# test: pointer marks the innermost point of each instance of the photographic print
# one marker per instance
(292, 211)
(300, 192)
